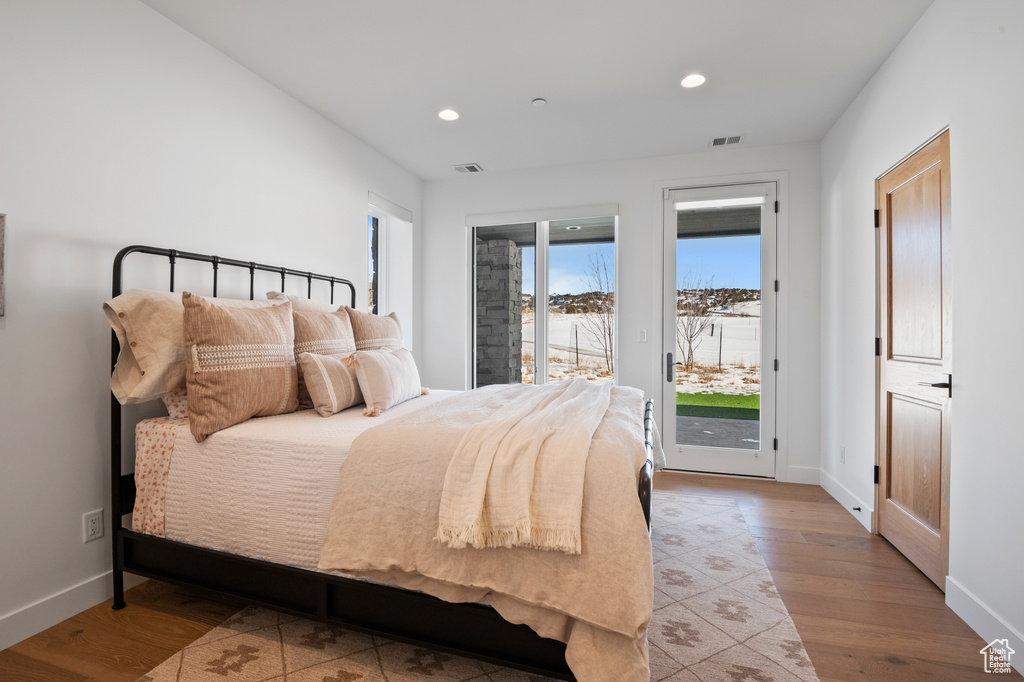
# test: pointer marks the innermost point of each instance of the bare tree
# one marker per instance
(599, 308)
(694, 303)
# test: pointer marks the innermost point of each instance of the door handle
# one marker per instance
(948, 384)
(670, 368)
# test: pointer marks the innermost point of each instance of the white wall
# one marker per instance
(959, 66)
(117, 127)
(634, 186)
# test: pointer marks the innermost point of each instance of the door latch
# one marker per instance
(948, 384)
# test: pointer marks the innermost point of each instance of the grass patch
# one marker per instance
(718, 405)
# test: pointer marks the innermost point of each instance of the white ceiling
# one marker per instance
(779, 71)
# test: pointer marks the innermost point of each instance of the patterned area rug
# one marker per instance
(717, 616)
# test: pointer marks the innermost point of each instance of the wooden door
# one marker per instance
(915, 364)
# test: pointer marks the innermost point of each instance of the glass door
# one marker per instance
(719, 342)
(544, 301)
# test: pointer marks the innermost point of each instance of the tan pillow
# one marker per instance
(386, 378)
(332, 384)
(322, 334)
(375, 331)
(302, 304)
(151, 361)
(240, 363)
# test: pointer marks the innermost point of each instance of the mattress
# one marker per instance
(263, 488)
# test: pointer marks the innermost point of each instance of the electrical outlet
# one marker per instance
(842, 454)
(92, 525)
(643, 336)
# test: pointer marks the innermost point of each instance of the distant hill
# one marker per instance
(593, 300)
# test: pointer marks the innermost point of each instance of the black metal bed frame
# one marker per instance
(474, 630)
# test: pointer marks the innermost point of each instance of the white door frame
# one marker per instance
(781, 181)
(542, 220)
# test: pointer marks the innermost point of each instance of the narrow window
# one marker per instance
(373, 239)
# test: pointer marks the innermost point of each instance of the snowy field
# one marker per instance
(734, 339)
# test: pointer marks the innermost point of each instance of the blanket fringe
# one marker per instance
(561, 540)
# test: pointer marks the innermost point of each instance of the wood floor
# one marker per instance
(863, 611)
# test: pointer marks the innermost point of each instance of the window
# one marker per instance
(389, 285)
(373, 239)
(544, 301)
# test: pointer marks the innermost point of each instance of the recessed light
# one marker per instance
(573, 227)
(448, 115)
(539, 102)
(693, 80)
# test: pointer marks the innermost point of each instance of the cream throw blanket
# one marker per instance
(516, 479)
(383, 526)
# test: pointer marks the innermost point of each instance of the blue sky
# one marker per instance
(733, 261)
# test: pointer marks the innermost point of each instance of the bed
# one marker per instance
(282, 578)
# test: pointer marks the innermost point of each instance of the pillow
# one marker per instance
(302, 304)
(151, 361)
(332, 383)
(322, 334)
(240, 363)
(176, 404)
(375, 331)
(386, 378)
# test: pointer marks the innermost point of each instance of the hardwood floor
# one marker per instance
(863, 611)
(103, 645)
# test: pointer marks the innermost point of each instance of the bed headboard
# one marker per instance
(123, 486)
(173, 256)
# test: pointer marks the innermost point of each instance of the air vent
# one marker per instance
(723, 141)
(469, 168)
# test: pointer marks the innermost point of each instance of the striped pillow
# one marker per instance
(240, 363)
(151, 361)
(386, 379)
(331, 382)
(321, 334)
(375, 331)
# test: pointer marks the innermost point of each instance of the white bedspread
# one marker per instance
(384, 527)
(263, 489)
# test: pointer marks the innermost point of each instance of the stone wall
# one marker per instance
(499, 312)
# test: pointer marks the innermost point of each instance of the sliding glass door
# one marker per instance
(719, 345)
(544, 301)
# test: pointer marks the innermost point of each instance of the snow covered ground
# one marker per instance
(733, 338)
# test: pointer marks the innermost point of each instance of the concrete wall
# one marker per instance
(499, 312)
(117, 127)
(958, 67)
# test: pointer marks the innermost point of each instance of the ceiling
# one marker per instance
(778, 71)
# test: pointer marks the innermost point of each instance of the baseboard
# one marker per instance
(34, 618)
(805, 475)
(982, 618)
(845, 497)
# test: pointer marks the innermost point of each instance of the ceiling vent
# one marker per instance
(469, 168)
(723, 141)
